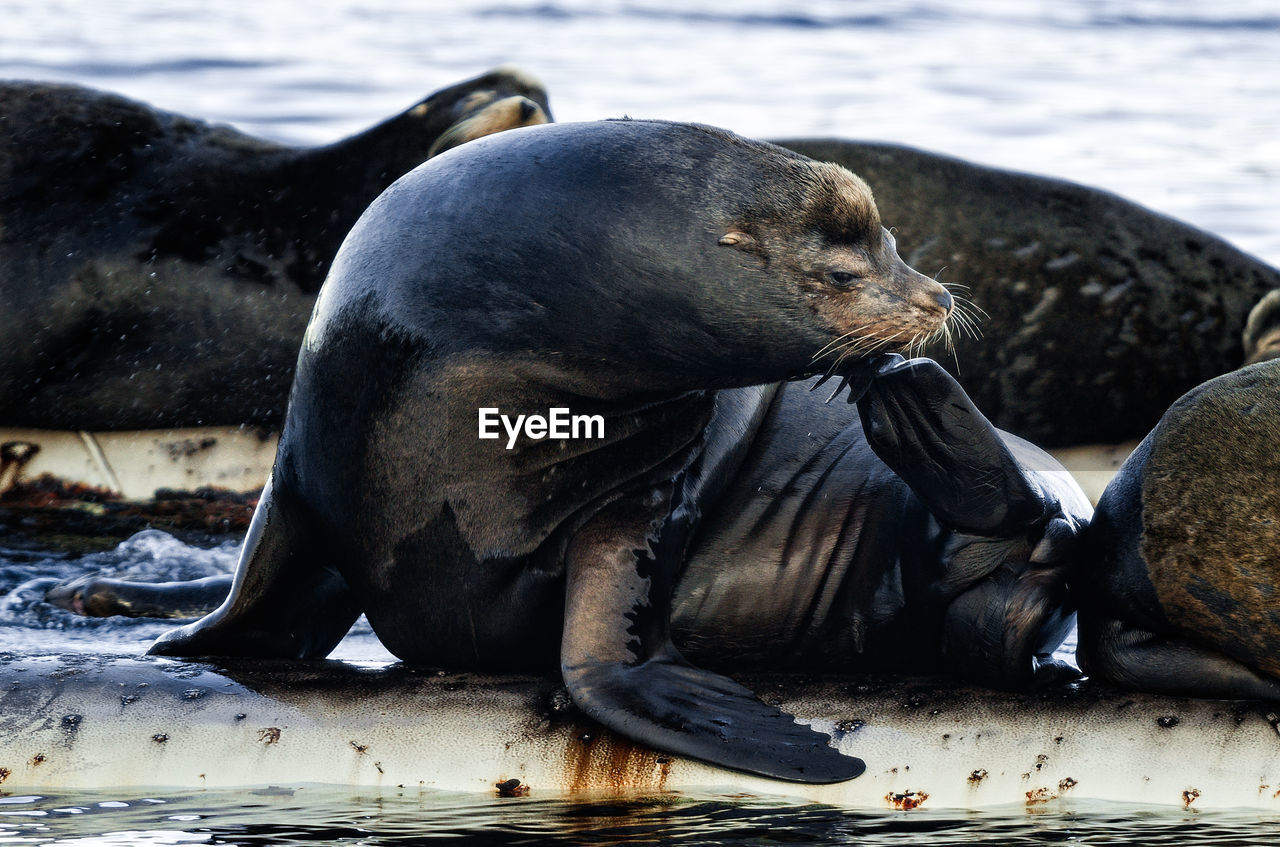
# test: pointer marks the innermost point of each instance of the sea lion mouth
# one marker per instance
(495, 116)
(909, 337)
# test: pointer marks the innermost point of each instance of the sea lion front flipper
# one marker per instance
(921, 423)
(621, 668)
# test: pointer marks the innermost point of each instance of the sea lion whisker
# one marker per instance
(852, 345)
(961, 320)
(826, 348)
(963, 315)
(973, 307)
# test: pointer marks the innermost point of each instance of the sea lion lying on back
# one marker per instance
(663, 278)
(158, 271)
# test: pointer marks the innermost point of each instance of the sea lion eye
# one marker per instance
(842, 279)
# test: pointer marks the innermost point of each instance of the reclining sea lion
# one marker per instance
(157, 271)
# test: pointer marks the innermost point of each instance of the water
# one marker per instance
(1169, 103)
(315, 815)
(28, 624)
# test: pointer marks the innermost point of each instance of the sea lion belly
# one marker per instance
(816, 553)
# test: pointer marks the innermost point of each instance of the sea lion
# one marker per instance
(1092, 301)
(659, 276)
(1183, 558)
(158, 271)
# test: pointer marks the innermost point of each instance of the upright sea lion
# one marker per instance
(1093, 302)
(663, 277)
(1183, 558)
(158, 271)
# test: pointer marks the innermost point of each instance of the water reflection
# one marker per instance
(320, 815)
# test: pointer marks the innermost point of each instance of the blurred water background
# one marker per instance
(1173, 104)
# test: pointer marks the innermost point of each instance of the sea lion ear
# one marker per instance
(739, 239)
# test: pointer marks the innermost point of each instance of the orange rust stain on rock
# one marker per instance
(1040, 795)
(603, 761)
(37, 759)
(269, 735)
(4, 774)
(1067, 784)
(977, 776)
(907, 800)
(1190, 796)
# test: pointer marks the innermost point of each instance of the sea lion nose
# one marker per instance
(527, 108)
(944, 301)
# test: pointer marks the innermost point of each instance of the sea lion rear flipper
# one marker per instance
(621, 668)
(97, 596)
(286, 600)
(921, 423)
(1137, 658)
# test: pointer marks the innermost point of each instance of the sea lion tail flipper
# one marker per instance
(287, 599)
(921, 423)
(620, 667)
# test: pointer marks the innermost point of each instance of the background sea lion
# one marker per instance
(1178, 590)
(158, 271)
(1092, 302)
(649, 273)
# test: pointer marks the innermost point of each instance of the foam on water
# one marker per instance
(29, 624)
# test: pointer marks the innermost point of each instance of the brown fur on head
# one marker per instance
(846, 262)
(482, 113)
(1262, 331)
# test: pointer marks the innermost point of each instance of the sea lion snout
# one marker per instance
(925, 293)
(944, 301)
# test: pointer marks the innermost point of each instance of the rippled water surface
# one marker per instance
(28, 624)
(316, 815)
(1173, 104)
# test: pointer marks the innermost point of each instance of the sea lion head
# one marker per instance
(828, 239)
(640, 255)
(1262, 332)
(483, 113)
(504, 98)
